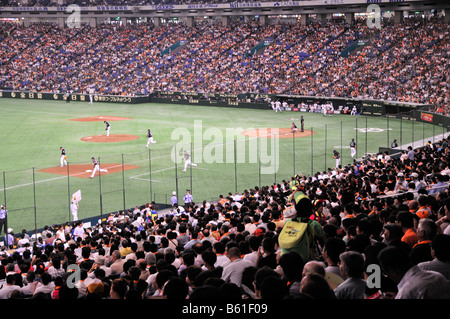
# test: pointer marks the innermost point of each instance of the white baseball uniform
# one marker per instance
(91, 95)
(97, 168)
(62, 159)
(277, 106)
(149, 138)
(187, 161)
(107, 127)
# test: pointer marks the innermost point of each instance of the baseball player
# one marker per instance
(353, 148)
(63, 157)
(187, 160)
(277, 106)
(91, 95)
(302, 124)
(96, 167)
(337, 157)
(107, 127)
(149, 138)
(294, 127)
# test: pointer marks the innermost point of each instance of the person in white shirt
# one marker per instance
(9, 287)
(232, 273)
(91, 95)
(249, 226)
(277, 106)
(78, 232)
(254, 243)
(412, 282)
(23, 240)
(46, 285)
(222, 259)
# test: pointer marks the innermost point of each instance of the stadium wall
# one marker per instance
(393, 109)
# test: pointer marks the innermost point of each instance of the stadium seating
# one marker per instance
(401, 62)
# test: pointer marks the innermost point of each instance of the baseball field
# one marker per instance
(233, 148)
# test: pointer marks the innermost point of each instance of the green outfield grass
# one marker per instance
(33, 131)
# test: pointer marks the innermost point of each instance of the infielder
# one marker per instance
(107, 127)
(63, 157)
(96, 167)
(149, 138)
(74, 208)
(187, 160)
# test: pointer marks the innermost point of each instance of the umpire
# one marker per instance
(3, 215)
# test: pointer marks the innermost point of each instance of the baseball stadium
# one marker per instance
(170, 150)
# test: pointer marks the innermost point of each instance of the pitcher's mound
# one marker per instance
(277, 133)
(112, 138)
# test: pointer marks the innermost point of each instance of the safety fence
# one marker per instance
(40, 196)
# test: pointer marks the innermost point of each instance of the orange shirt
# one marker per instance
(422, 212)
(410, 237)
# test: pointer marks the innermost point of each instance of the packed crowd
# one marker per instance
(393, 213)
(400, 62)
(94, 3)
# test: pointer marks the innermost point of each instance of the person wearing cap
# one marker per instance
(150, 138)
(187, 198)
(302, 211)
(3, 215)
(337, 157)
(96, 167)
(401, 185)
(187, 160)
(174, 199)
(63, 158)
(108, 126)
(394, 144)
(352, 148)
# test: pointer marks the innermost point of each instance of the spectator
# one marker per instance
(412, 282)
(352, 268)
(291, 265)
(426, 232)
(315, 286)
(176, 288)
(441, 256)
(406, 221)
(333, 248)
(9, 287)
(233, 272)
